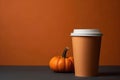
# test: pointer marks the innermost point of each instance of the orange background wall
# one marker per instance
(32, 31)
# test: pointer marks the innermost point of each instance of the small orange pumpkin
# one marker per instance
(62, 63)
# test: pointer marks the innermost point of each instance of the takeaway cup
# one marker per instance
(86, 45)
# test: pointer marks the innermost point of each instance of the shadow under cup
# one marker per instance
(86, 45)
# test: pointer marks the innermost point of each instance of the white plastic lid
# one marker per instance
(86, 32)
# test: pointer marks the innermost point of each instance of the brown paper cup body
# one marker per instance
(86, 53)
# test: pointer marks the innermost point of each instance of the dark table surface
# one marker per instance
(44, 73)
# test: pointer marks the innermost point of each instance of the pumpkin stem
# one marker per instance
(64, 52)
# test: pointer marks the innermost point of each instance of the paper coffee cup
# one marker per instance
(86, 45)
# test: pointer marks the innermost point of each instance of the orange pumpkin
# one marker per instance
(62, 63)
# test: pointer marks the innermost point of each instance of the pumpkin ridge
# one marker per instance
(51, 62)
(57, 69)
(67, 65)
(72, 63)
(64, 65)
(54, 64)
